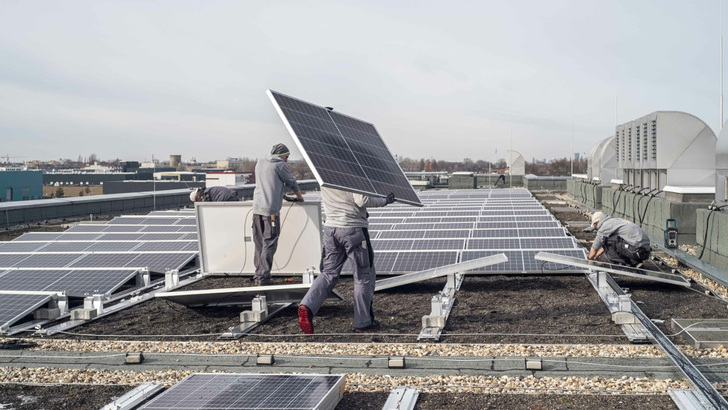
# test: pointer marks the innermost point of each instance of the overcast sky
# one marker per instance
(448, 80)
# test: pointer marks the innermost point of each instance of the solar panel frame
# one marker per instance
(14, 307)
(351, 151)
(251, 391)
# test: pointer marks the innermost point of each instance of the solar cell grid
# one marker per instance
(409, 234)
(392, 244)
(74, 246)
(47, 260)
(160, 221)
(122, 228)
(160, 228)
(160, 246)
(120, 237)
(8, 260)
(104, 260)
(186, 222)
(122, 220)
(438, 244)
(378, 220)
(161, 262)
(380, 227)
(495, 233)
(86, 228)
(499, 243)
(247, 391)
(417, 261)
(457, 233)
(13, 307)
(541, 232)
(547, 243)
(497, 225)
(514, 263)
(23, 246)
(111, 246)
(405, 226)
(37, 236)
(343, 151)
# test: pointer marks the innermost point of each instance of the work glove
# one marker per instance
(290, 198)
(390, 198)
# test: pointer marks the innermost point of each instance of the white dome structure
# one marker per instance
(516, 163)
(603, 166)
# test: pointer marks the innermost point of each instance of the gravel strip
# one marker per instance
(353, 349)
(357, 382)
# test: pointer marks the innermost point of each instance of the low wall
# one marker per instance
(652, 212)
(536, 183)
(461, 182)
(487, 181)
(25, 212)
(588, 194)
(716, 249)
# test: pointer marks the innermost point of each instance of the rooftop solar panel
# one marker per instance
(343, 152)
(21, 246)
(76, 283)
(14, 307)
(251, 391)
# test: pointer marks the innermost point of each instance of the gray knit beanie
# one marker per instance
(280, 150)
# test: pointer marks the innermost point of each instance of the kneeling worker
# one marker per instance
(214, 194)
(622, 241)
(346, 236)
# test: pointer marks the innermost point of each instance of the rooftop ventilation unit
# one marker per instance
(516, 163)
(603, 166)
(666, 148)
(721, 168)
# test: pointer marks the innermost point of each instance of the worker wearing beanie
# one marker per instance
(622, 241)
(271, 175)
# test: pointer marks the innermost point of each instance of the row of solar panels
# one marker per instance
(98, 246)
(91, 259)
(452, 228)
(119, 236)
(519, 261)
(154, 261)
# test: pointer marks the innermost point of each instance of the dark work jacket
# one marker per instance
(219, 194)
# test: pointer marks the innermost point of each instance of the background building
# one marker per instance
(20, 185)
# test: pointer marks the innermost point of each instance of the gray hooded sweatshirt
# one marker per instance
(631, 233)
(271, 174)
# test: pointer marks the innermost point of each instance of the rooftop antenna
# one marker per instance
(572, 136)
(510, 166)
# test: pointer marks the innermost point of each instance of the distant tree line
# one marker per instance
(554, 167)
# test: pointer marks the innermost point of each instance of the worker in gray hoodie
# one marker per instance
(346, 236)
(622, 241)
(271, 175)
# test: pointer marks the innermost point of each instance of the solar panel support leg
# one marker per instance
(258, 312)
(442, 304)
(308, 276)
(143, 278)
(95, 302)
(171, 279)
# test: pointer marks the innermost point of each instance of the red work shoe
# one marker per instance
(305, 319)
(373, 327)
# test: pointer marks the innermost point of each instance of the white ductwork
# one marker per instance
(721, 168)
(666, 148)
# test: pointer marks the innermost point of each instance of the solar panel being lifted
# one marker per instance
(342, 151)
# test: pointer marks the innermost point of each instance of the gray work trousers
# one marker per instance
(340, 244)
(265, 237)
